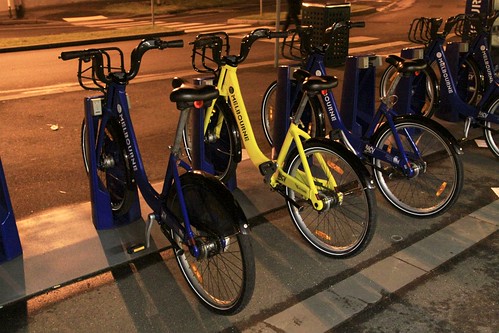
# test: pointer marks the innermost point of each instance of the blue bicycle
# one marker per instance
(472, 91)
(415, 160)
(198, 215)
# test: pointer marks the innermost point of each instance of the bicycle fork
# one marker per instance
(304, 183)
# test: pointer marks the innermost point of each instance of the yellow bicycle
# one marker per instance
(328, 191)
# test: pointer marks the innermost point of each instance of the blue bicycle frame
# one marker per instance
(116, 107)
(354, 141)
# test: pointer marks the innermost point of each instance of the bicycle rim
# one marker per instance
(342, 230)
(223, 279)
(113, 167)
(439, 175)
(490, 130)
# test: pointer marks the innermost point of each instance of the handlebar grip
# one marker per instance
(172, 44)
(68, 55)
(278, 34)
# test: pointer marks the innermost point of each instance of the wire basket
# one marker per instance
(87, 77)
(424, 29)
(208, 50)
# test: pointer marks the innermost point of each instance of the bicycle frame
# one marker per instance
(116, 106)
(228, 86)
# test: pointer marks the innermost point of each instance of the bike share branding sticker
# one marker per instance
(368, 149)
(487, 63)
(330, 109)
(236, 108)
(128, 141)
(445, 73)
(476, 6)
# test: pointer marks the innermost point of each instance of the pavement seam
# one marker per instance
(369, 287)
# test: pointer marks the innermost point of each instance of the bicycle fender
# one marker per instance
(235, 221)
(350, 157)
(437, 127)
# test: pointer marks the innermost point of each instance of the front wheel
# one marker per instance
(223, 275)
(490, 130)
(312, 119)
(347, 223)
(438, 172)
(425, 91)
(221, 142)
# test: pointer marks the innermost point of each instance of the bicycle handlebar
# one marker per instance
(345, 24)
(253, 36)
(97, 57)
(218, 44)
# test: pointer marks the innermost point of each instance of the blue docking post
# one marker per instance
(199, 161)
(10, 243)
(102, 215)
(358, 95)
(409, 96)
(282, 116)
(452, 53)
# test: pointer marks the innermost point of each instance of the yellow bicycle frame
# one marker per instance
(304, 184)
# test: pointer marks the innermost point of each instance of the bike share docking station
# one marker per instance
(102, 215)
(453, 50)
(198, 151)
(358, 101)
(408, 94)
(10, 244)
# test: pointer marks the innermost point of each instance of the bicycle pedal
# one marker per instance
(267, 169)
(135, 248)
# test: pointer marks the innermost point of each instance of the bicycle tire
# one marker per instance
(222, 151)
(117, 177)
(436, 186)
(223, 280)
(426, 107)
(313, 114)
(490, 130)
(345, 229)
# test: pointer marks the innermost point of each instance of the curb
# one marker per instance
(360, 10)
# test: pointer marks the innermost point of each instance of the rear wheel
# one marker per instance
(113, 167)
(223, 275)
(347, 223)
(438, 171)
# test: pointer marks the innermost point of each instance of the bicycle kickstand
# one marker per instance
(142, 246)
(467, 125)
